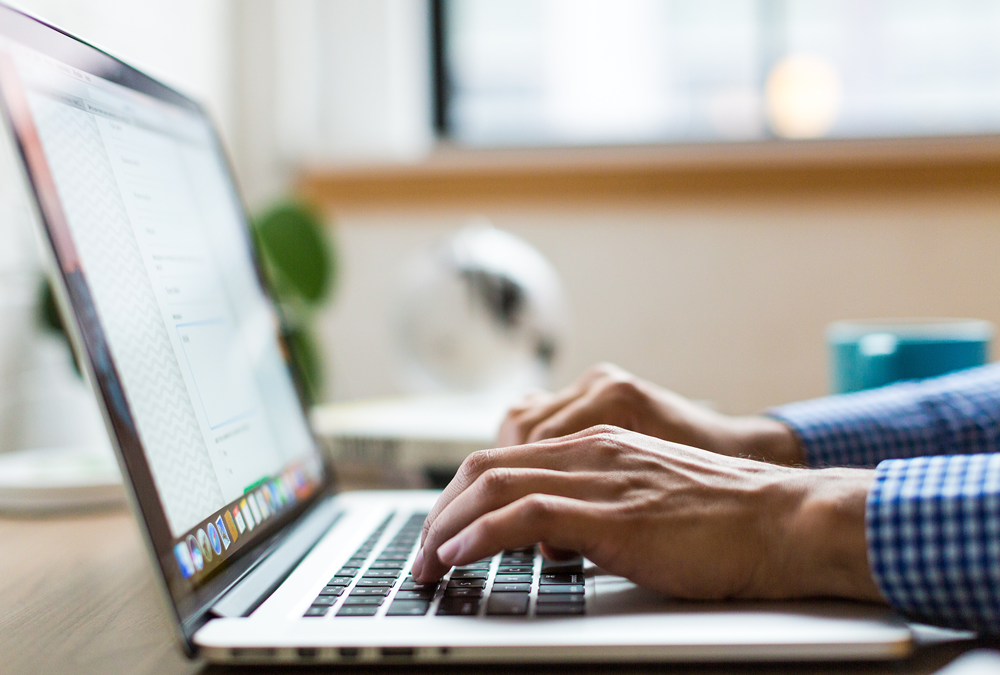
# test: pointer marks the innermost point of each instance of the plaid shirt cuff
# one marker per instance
(949, 415)
(933, 530)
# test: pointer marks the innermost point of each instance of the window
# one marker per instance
(584, 72)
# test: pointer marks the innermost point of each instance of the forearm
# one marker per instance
(954, 414)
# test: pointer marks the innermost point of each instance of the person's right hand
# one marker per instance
(606, 394)
(678, 520)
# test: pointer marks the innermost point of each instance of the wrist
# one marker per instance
(823, 543)
(767, 439)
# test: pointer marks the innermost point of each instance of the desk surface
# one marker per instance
(77, 596)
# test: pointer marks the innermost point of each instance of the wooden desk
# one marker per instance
(77, 596)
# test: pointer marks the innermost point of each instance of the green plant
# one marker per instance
(300, 268)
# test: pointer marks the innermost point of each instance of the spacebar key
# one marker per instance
(508, 604)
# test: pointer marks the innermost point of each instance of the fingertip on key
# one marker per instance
(418, 563)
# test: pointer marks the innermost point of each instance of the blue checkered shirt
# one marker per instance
(933, 512)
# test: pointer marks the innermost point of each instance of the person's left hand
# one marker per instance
(676, 519)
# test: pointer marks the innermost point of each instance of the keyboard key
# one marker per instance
(358, 610)
(415, 595)
(381, 574)
(515, 569)
(516, 560)
(340, 581)
(561, 588)
(363, 600)
(386, 565)
(325, 600)
(317, 610)
(408, 608)
(560, 609)
(333, 590)
(484, 565)
(524, 550)
(511, 588)
(393, 557)
(513, 579)
(549, 579)
(467, 583)
(470, 574)
(348, 570)
(356, 561)
(410, 585)
(371, 590)
(508, 604)
(365, 582)
(458, 607)
(544, 599)
(463, 592)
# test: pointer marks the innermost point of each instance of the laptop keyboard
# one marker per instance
(515, 583)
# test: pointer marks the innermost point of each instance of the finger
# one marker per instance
(559, 522)
(559, 454)
(520, 425)
(582, 413)
(520, 420)
(558, 554)
(495, 489)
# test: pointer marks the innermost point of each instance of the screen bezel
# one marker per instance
(189, 603)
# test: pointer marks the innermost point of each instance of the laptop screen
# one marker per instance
(152, 242)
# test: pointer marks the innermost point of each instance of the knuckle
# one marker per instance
(608, 442)
(536, 506)
(605, 433)
(494, 480)
(478, 462)
(623, 388)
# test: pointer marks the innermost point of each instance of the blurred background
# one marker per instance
(714, 181)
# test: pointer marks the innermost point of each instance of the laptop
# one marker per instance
(260, 558)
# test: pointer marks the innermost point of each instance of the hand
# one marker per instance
(606, 394)
(676, 519)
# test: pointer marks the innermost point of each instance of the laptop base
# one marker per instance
(623, 623)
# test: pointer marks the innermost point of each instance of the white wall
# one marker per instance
(720, 301)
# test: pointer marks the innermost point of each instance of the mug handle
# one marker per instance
(877, 359)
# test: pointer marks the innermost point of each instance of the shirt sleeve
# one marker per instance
(954, 414)
(933, 534)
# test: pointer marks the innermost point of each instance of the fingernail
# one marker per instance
(418, 563)
(448, 551)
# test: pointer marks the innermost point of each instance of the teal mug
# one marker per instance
(867, 354)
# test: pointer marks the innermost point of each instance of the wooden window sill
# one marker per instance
(732, 172)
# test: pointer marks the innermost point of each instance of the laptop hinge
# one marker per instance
(246, 595)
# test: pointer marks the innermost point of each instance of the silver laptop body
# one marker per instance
(260, 558)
